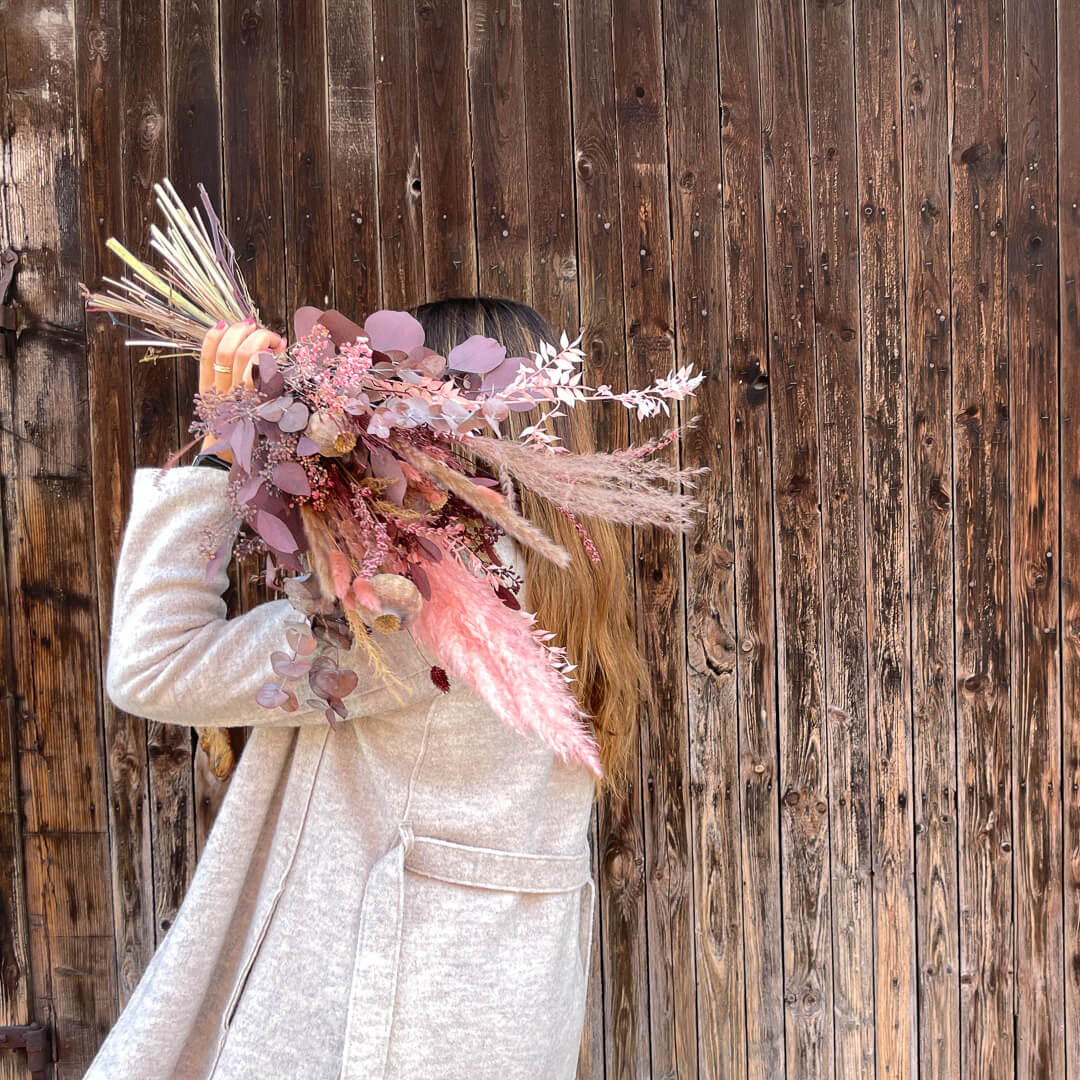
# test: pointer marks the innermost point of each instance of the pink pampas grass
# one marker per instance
(479, 640)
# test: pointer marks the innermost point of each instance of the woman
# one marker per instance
(409, 895)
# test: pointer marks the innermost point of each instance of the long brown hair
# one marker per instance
(588, 606)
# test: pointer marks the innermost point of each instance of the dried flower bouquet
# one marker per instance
(348, 471)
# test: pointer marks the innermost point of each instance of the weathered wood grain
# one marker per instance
(640, 110)
(497, 136)
(353, 196)
(445, 144)
(15, 973)
(845, 537)
(397, 126)
(697, 254)
(48, 506)
(15, 986)
(981, 499)
(1068, 212)
(924, 88)
(553, 266)
(193, 109)
(16, 989)
(805, 885)
(884, 364)
(619, 946)
(154, 396)
(746, 342)
(315, 180)
(102, 93)
(1032, 309)
(553, 279)
(849, 215)
(251, 97)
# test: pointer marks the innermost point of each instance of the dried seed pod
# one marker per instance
(333, 439)
(399, 600)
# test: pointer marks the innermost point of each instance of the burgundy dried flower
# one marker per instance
(440, 678)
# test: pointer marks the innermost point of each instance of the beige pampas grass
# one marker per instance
(493, 506)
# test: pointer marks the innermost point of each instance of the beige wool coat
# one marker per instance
(408, 895)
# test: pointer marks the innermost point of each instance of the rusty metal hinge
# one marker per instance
(8, 258)
(35, 1040)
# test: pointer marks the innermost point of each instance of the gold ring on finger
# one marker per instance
(225, 370)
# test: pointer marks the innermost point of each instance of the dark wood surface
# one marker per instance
(852, 843)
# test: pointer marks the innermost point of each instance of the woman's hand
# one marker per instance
(234, 348)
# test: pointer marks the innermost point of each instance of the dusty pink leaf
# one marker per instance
(389, 330)
(290, 477)
(476, 354)
(500, 377)
(249, 489)
(285, 666)
(274, 531)
(295, 417)
(304, 318)
(243, 439)
(271, 696)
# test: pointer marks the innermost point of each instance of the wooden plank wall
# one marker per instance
(854, 846)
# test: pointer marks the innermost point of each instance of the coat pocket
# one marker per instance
(492, 965)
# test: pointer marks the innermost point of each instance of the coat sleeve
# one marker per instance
(174, 657)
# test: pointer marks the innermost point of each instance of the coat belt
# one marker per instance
(374, 982)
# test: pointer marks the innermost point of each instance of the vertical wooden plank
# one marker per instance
(193, 93)
(73, 951)
(553, 267)
(623, 1019)
(553, 286)
(808, 993)
(692, 92)
(925, 86)
(835, 215)
(309, 197)
(445, 148)
(251, 124)
(48, 511)
(640, 109)
(101, 122)
(746, 341)
(353, 156)
(497, 123)
(157, 434)
(401, 223)
(881, 243)
(16, 989)
(15, 984)
(1069, 307)
(981, 476)
(1032, 311)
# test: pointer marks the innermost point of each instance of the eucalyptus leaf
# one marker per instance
(274, 531)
